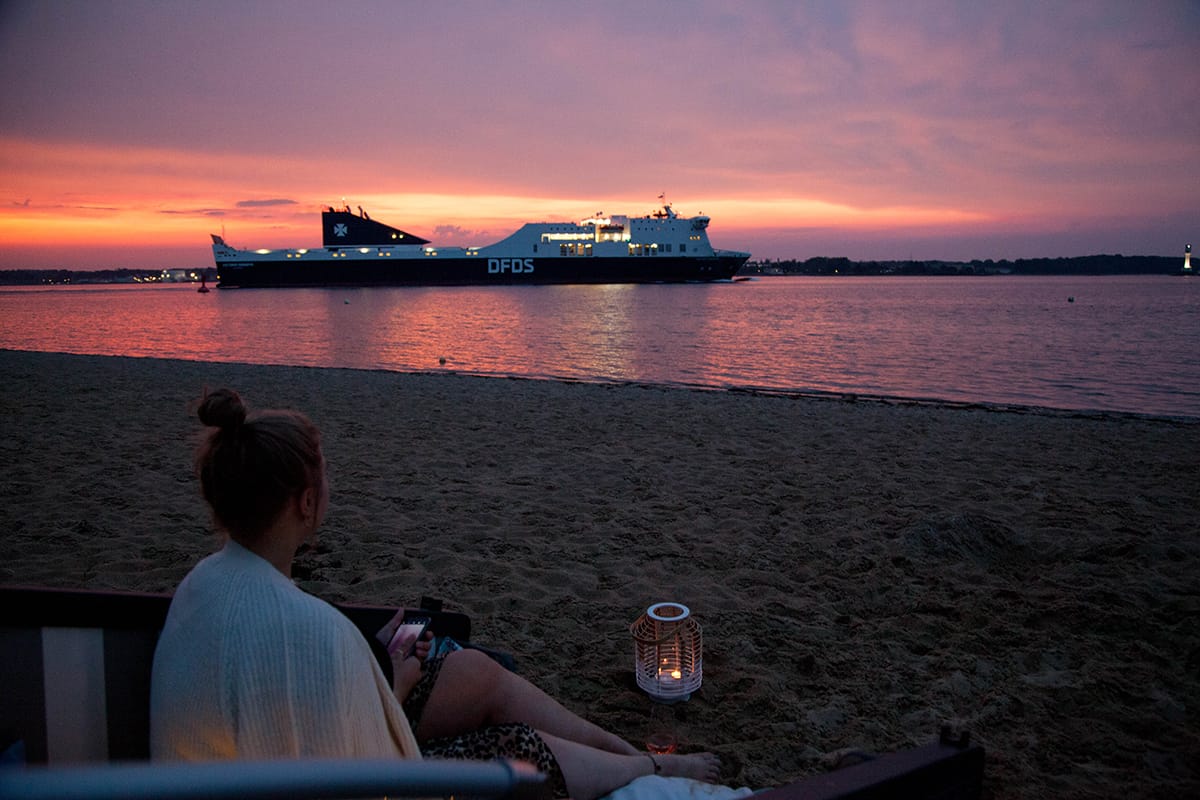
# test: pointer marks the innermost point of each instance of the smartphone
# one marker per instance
(407, 634)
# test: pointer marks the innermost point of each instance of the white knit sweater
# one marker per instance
(249, 666)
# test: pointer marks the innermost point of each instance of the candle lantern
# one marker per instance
(668, 652)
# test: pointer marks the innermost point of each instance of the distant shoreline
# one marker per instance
(71, 277)
(1077, 265)
(819, 265)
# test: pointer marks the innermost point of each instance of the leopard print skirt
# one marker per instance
(515, 740)
(418, 696)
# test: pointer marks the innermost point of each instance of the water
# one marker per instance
(1127, 343)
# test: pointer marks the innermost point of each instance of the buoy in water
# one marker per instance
(1071, 299)
(442, 361)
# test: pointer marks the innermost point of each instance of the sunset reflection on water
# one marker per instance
(1127, 343)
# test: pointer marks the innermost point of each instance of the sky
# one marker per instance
(131, 130)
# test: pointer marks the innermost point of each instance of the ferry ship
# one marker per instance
(661, 247)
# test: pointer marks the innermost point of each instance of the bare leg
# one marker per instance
(591, 773)
(472, 691)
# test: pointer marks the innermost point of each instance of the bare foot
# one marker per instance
(697, 766)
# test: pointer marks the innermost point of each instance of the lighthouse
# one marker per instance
(1187, 259)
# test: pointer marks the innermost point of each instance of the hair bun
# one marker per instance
(222, 409)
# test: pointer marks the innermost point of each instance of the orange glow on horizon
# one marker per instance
(69, 201)
(79, 194)
(85, 228)
(481, 218)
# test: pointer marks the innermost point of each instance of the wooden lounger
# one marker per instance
(74, 710)
(268, 780)
(75, 669)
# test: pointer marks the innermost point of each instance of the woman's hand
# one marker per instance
(423, 646)
(406, 668)
(407, 656)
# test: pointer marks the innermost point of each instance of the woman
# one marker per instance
(249, 666)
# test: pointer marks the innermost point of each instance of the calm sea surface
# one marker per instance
(1124, 344)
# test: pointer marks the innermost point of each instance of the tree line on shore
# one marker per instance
(1079, 265)
(53, 277)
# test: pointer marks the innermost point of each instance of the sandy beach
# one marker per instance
(863, 570)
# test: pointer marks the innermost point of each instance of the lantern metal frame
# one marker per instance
(668, 652)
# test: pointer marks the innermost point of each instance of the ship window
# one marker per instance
(682, 247)
(535, 248)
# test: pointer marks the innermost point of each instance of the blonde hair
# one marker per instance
(251, 464)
